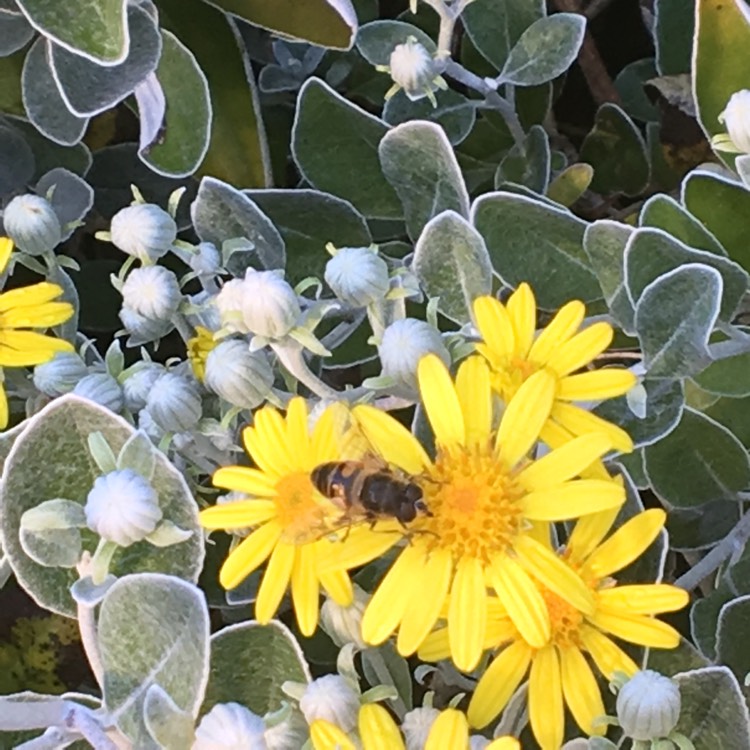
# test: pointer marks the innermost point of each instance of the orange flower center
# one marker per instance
(565, 620)
(507, 377)
(299, 513)
(474, 501)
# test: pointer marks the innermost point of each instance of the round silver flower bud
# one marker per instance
(206, 260)
(143, 329)
(344, 624)
(289, 734)
(61, 374)
(229, 304)
(239, 376)
(144, 230)
(648, 706)
(357, 276)
(153, 292)
(416, 726)
(137, 382)
(101, 388)
(270, 307)
(122, 507)
(332, 698)
(174, 403)
(403, 344)
(736, 118)
(32, 224)
(412, 68)
(230, 726)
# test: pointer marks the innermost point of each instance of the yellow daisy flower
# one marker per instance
(27, 308)
(559, 673)
(198, 349)
(286, 511)
(484, 496)
(451, 732)
(515, 353)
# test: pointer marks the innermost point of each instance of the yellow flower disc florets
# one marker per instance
(511, 375)
(299, 514)
(565, 620)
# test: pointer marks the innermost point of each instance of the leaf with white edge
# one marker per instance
(94, 29)
(335, 147)
(167, 533)
(152, 105)
(49, 533)
(16, 160)
(167, 724)
(729, 376)
(101, 452)
(250, 663)
(527, 164)
(71, 197)
(698, 462)
(732, 635)
(418, 160)
(673, 34)
(570, 184)
(376, 40)
(57, 437)
(89, 88)
(397, 672)
(535, 242)
(153, 629)
(452, 264)
(221, 212)
(138, 454)
(183, 141)
(742, 165)
(652, 252)
(545, 50)
(85, 591)
(674, 318)
(616, 150)
(15, 32)
(43, 102)
(664, 212)
(494, 26)
(714, 714)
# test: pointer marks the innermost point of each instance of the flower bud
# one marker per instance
(142, 329)
(648, 706)
(288, 734)
(404, 343)
(413, 69)
(357, 276)
(32, 224)
(144, 230)
(229, 304)
(61, 374)
(416, 726)
(137, 382)
(146, 424)
(736, 118)
(332, 698)
(153, 292)
(122, 507)
(206, 260)
(101, 388)
(229, 726)
(174, 403)
(239, 376)
(344, 624)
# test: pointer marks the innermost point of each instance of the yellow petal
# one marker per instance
(450, 731)
(238, 515)
(498, 683)
(582, 348)
(580, 422)
(608, 657)
(361, 545)
(581, 692)
(588, 533)
(522, 600)
(644, 599)
(565, 462)
(378, 730)
(27, 348)
(521, 308)
(275, 582)
(6, 248)
(249, 554)
(557, 332)
(327, 736)
(596, 385)
(29, 296)
(391, 439)
(305, 589)
(3, 407)
(643, 631)
(628, 543)
(440, 401)
(244, 479)
(546, 710)
(269, 454)
(467, 616)
(297, 436)
(495, 326)
(504, 743)
(572, 499)
(338, 586)
(39, 316)
(325, 440)
(423, 610)
(475, 396)
(524, 417)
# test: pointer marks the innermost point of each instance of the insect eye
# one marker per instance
(414, 494)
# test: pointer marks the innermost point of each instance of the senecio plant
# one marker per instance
(442, 447)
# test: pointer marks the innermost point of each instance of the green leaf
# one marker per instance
(238, 152)
(335, 146)
(58, 436)
(674, 318)
(452, 264)
(545, 50)
(15, 32)
(670, 661)
(652, 252)
(327, 23)
(307, 220)
(630, 86)
(727, 377)
(494, 26)
(250, 663)
(702, 527)
(11, 100)
(734, 414)
(720, 65)
(398, 672)
(376, 40)
(184, 135)
(166, 723)
(723, 207)
(664, 212)
(732, 635)
(16, 160)
(616, 150)
(570, 184)
(220, 212)
(153, 630)
(94, 29)
(418, 160)
(704, 616)
(698, 462)
(714, 715)
(528, 163)
(673, 33)
(530, 241)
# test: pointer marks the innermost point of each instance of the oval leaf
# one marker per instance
(376, 40)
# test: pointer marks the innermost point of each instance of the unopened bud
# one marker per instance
(101, 388)
(174, 403)
(230, 726)
(357, 276)
(137, 382)
(144, 231)
(344, 624)
(61, 374)
(142, 330)
(153, 292)
(648, 706)
(332, 698)
(239, 376)
(32, 224)
(416, 726)
(403, 344)
(736, 118)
